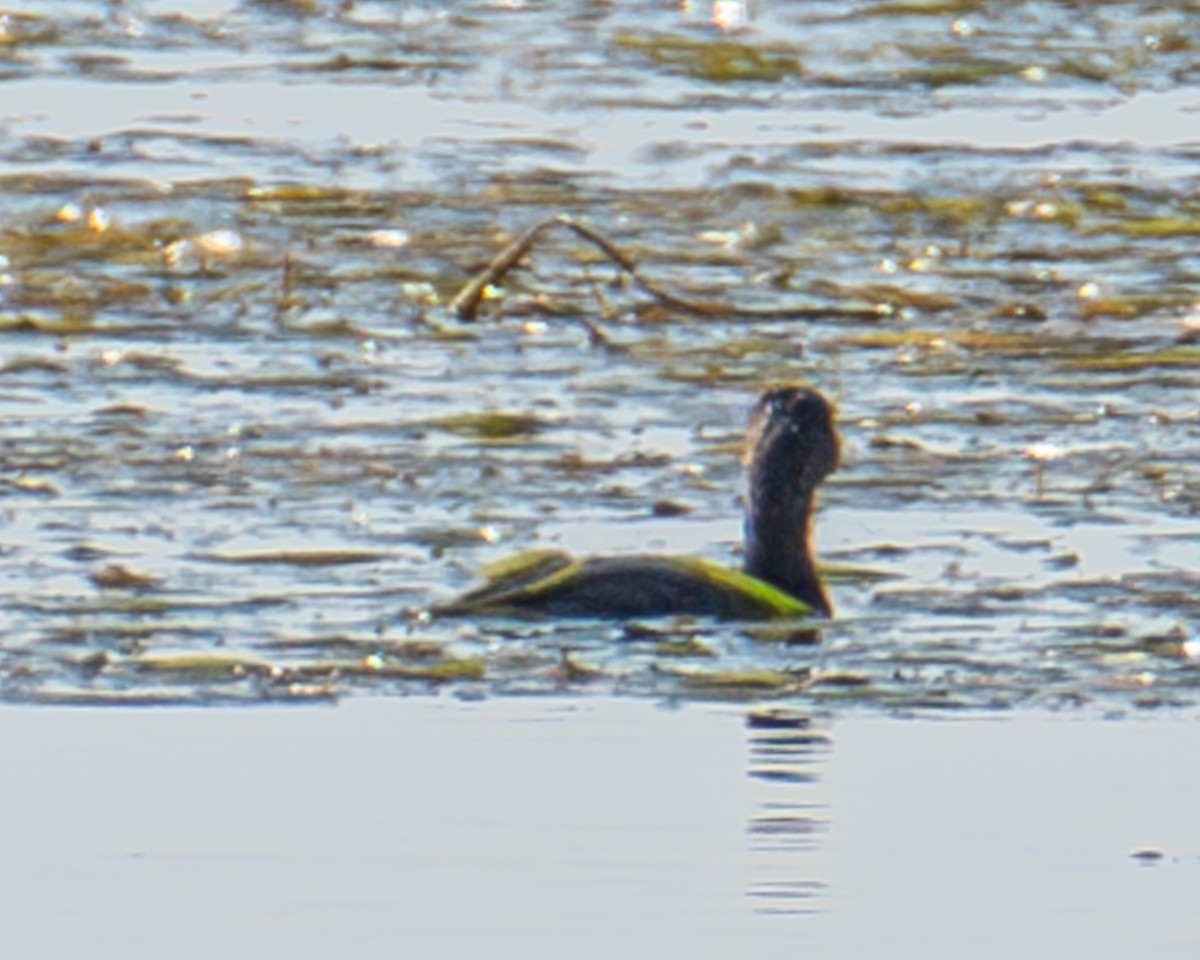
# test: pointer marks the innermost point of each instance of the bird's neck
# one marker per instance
(778, 551)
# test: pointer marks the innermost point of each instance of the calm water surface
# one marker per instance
(543, 828)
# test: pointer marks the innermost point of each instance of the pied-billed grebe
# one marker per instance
(791, 447)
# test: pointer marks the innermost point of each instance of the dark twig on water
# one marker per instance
(287, 284)
(465, 304)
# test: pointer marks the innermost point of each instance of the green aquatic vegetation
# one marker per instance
(1104, 199)
(996, 341)
(854, 573)
(734, 683)
(1057, 209)
(1171, 41)
(441, 671)
(281, 383)
(72, 291)
(967, 72)
(201, 665)
(57, 696)
(832, 197)
(571, 670)
(1134, 652)
(1135, 305)
(31, 364)
(896, 295)
(326, 645)
(1178, 356)
(348, 63)
(922, 8)
(26, 29)
(784, 634)
(303, 557)
(35, 485)
(1021, 311)
(1088, 69)
(685, 648)
(128, 634)
(956, 211)
(490, 425)
(312, 201)
(56, 243)
(118, 576)
(294, 8)
(1066, 346)
(209, 666)
(716, 60)
(73, 321)
(155, 604)
(842, 679)
(1150, 227)
(550, 190)
(946, 211)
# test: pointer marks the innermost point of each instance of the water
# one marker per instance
(536, 828)
(244, 446)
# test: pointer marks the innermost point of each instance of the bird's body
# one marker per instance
(791, 447)
(555, 584)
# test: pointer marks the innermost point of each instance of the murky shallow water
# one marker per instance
(186, 421)
(548, 827)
